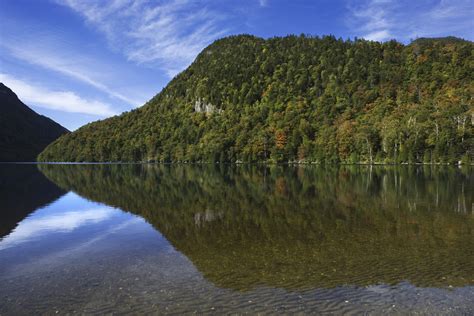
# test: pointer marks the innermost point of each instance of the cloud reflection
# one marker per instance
(34, 227)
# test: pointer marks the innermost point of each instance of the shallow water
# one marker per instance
(218, 239)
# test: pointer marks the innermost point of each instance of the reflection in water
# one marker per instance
(144, 239)
(298, 228)
(34, 227)
(23, 189)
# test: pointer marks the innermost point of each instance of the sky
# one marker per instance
(78, 61)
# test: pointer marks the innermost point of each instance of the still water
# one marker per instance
(247, 239)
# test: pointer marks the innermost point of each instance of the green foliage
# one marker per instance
(301, 98)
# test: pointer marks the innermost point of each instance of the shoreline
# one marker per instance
(230, 163)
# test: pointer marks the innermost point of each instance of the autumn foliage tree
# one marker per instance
(312, 99)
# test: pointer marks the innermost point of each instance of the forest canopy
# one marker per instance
(298, 99)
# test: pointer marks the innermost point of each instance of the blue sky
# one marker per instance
(78, 61)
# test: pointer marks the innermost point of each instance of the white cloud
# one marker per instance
(66, 101)
(378, 35)
(166, 34)
(263, 3)
(65, 222)
(48, 57)
(372, 19)
(382, 20)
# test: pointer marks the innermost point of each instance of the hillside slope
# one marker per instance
(23, 132)
(298, 99)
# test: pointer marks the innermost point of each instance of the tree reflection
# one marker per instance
(298, 227)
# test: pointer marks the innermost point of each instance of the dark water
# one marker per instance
(243, 239)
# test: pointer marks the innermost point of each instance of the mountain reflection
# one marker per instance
(23, 189)
(298, 227)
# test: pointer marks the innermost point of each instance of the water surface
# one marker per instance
(218, 238)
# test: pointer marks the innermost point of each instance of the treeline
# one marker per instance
(298, 98)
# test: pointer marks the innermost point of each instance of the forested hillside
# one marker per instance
(306, 99)
(23, 132)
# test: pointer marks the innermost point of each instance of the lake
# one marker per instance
(177, 239)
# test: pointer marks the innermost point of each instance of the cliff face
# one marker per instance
(23, 132)
(298, 99)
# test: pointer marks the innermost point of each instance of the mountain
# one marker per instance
(298, 98)
(23, 132)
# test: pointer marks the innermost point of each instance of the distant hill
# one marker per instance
(434, 40)
(23, 132)
(299, 98)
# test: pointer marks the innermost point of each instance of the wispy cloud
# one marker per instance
(46, 55)
(377, 35)
(372, 19)
(66, 101)
(382, 20)
(263, 3)
(165, 34)
(447, 17)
